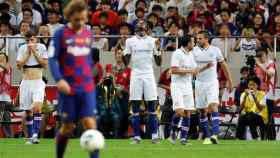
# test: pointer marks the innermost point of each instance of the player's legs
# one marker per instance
(136, 120)
(185, 125)
(86, 108)
(29, 124)
(68, 117)
(38, 94)
(90, 123)
(62, 137)
(213, 104)
(152, 106)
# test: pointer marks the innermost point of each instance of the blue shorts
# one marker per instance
(75, 107)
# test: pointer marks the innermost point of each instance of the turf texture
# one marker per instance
(15, 148)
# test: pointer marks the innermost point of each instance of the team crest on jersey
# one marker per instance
(78, 51)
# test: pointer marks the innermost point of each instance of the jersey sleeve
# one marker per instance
(44, 52)
(127, 49)
(53, 54)
(219, 55)
(175, 59)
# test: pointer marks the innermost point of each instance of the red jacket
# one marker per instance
(113, 18)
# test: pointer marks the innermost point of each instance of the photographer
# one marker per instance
(240, 88)
(253, 110)
(265, 69)
(5, 87)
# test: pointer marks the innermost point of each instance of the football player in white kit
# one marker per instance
(207, 85)
(142, 49)
(183, 67)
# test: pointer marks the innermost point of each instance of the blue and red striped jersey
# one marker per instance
(70, 58)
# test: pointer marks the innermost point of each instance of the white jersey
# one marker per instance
(183, 60)
(141, 50)
(22, 53)
(204, 56)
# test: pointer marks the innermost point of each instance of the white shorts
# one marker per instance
(206, 93)
(140, 86)
(31, 91)
(182, 98)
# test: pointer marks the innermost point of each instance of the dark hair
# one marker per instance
(255, 79)
(6, 56)
(152, 14)
(24, 22)
(261, 50)
(52, 11)
(185, 40)
(95, 25)
(139, 10)
(244, 68)
(106, 2)
(30, 34)
(157, 8)
(139, 1)
(27, 1)
(122, 12)
(174, 23)
(74, 6)
(225, 10)
(4, 6)
(205, 33)
(103, 15)
(125, 25)
(27, 10)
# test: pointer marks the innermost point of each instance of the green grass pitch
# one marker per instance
(15, 148)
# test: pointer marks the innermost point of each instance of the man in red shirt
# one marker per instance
(112, 15)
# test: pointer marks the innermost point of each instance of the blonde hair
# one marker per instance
(73, 7)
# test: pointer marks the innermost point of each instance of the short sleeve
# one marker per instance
(219, 55)
(127, 49)
(44, 52)
(175, 59)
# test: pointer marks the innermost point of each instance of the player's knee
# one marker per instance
(89, 123)
(152, 106)
(28, 113)
(213, 107)
(37, 107)
(135, 106)
(68, 128)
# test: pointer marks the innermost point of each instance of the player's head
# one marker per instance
(187, 42)
(202, 38)
(76, 13)
(30, 37)
(141, 28)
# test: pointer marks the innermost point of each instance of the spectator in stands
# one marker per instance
(36, 18)
(127, 5)
(44, 31)
(97, 72)
(28, 16)
(124, 31)
(243, 14)
(158, 10)
(182, 6)
(139, 4)
(112, 20)
(225, 17)
(253, 110)
(172, 12)
(166, 108)
(140, 16)
(249, 44)
(258, 24)
(105, 28)
(195, 29)
(265, 69)
(158, 5)
(121, 75)
(224, 32)
(243, 84)
(123, 15)
(4, 9)
(99, 42)
(5, 30)
(170, 42)
(156, 29)
(24, 27)
(5, 88)
(267, 41)
(15, 7)
(275, 29)
(53, 21)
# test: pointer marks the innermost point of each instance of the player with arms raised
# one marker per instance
(207, 85)
(71, 66)
(141, 49)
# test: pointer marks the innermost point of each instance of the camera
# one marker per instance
(251, 62)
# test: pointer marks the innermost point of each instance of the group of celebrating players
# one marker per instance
(71, 66)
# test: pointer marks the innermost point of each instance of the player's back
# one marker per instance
(141, 55)
(204, 56)
(73, 51)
